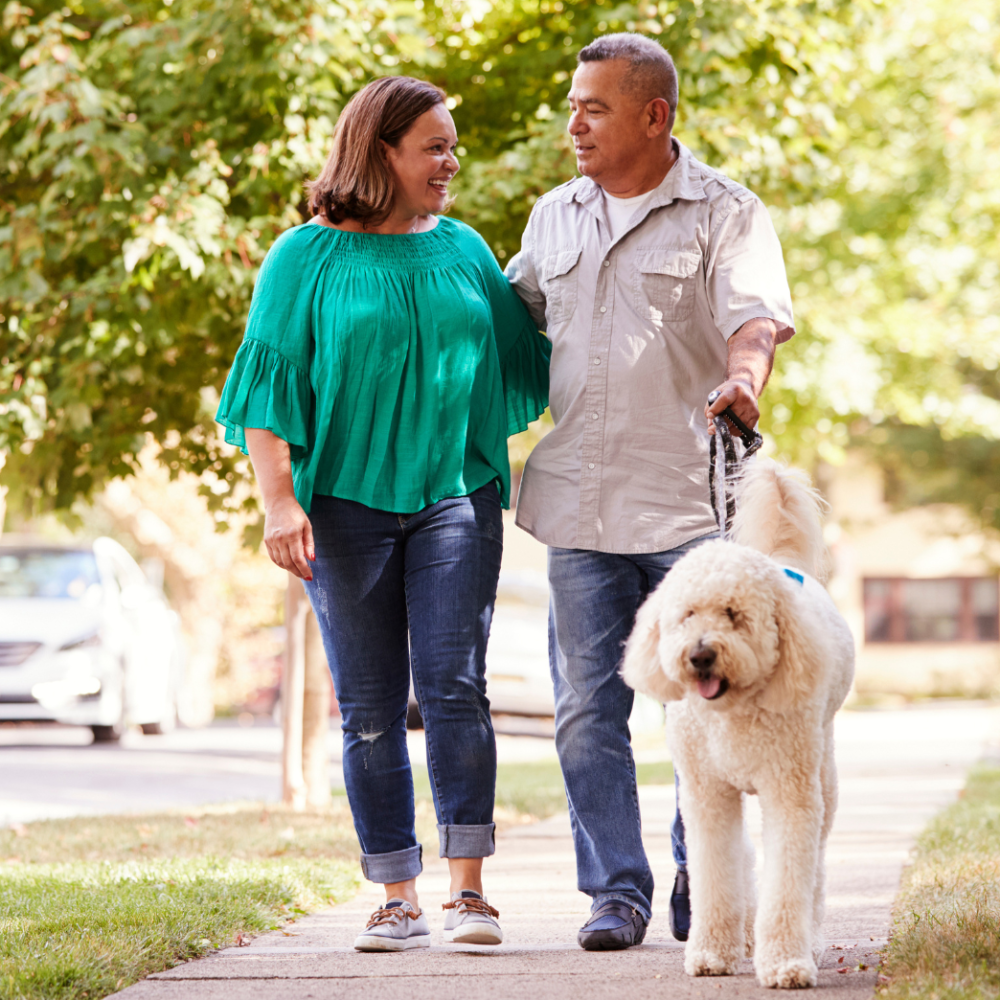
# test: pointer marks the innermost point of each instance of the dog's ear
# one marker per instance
(798, 666)
(641, 667)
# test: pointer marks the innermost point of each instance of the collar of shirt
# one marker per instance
(683, 181)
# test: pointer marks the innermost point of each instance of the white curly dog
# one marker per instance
(753, 659)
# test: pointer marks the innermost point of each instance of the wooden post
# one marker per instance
(305, 699)
(316, 718)
(293, 786)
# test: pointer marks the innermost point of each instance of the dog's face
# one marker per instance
(714, 631)
(721, 640)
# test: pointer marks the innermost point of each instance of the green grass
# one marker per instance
(88, 906)
(534, 790)
(945, 943)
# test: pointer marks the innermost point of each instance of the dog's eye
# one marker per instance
(731, 614)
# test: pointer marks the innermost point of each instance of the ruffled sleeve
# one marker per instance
(525, 372)
(523, 351)
(266, 390)
(269, 386)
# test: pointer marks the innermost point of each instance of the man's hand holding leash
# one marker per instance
(748, 366)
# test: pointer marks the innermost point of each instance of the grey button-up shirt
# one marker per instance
(639, 330)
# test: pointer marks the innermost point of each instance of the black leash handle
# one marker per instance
(724, 462)
(752, 439)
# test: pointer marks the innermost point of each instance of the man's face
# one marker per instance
(609, 128)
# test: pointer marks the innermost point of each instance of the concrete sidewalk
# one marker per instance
(896, 770)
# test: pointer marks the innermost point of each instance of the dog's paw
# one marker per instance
(701, 962)
(792, 974)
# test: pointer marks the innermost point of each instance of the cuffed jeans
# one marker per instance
(594, 600)
(395, 592)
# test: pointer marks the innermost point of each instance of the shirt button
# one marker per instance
(594, 416)
(590, 465)
(604, 309)
(607, 263)
(597, 361)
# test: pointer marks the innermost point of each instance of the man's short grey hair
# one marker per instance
(651, 70)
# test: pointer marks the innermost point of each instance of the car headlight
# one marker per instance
(60, 692)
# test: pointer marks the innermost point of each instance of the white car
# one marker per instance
(85, 639)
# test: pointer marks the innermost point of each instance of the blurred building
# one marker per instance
(918, 587)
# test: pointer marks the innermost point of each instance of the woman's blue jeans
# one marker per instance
(394, 593)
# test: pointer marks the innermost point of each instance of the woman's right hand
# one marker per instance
(289, 538)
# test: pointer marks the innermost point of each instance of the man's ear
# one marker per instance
(657, 117)
(641, 667)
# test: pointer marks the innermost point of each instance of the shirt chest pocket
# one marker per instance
(666, 283)
(558, 276)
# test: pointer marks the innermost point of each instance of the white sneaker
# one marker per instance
(395, 927)
(471, 920)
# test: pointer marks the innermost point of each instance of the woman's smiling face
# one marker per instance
(423, 164)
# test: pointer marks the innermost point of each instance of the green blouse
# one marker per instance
(394, 366)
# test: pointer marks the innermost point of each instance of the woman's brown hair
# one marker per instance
(356, 182)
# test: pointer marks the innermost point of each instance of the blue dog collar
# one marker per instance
(796, 576)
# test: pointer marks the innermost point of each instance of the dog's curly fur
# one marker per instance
(754, 665)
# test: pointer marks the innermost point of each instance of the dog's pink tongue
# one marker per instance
(709, 687)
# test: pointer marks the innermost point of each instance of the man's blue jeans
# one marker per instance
(391, 592)
(594, 600)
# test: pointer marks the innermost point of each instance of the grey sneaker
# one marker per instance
(395, 927)
(471, 920)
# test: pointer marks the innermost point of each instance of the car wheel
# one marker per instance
(166, 725)
(107, 734)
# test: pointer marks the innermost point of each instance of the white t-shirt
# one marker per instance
(620, 210)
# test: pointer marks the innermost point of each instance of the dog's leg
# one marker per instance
(713, 818)
(828, 781)
(793, 810)
(750, 890)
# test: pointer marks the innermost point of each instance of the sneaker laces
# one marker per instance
(470, 904)
(391, 915)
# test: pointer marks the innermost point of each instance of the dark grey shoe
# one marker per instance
(680, 907)
(612, 926)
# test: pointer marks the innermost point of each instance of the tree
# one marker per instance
(895, 268)
(866, 129)
(150, 153)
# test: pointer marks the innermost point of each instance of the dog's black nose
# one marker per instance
(702, 658)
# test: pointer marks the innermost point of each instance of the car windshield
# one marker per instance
(46, 573)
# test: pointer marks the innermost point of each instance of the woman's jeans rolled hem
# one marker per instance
(467, 841)
(396, 866)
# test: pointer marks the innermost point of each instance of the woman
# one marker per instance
(385, 362)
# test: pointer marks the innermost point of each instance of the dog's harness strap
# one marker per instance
(794, 575)
(724, 462)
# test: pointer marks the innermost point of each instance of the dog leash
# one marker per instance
(724, 463)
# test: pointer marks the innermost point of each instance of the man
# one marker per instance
(657, 279)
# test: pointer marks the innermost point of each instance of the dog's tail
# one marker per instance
(779, 513)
